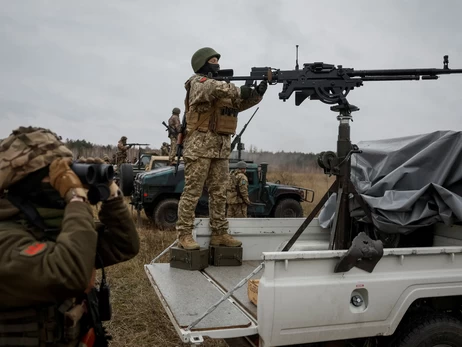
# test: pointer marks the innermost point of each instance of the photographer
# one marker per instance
(50, 245)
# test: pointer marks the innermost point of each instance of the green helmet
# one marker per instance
(241, 165)
(202, 56)
(176, 110)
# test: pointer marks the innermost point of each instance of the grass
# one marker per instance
(138, 316)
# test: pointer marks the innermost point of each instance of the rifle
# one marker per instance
(137, 144)
(237, 139)
(331, 85)
(169, 129)
(179, 144)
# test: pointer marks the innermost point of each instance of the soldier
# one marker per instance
(174, 125)
(238, 192)
(50, 244)
(164, 150)
(122, 150)
(211, 115)
(106, 159)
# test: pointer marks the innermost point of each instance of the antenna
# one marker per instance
(296, 57)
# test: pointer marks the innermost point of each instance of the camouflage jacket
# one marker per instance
(203, 96)
(175, 124)
(35, 271)
(122, 148)
(238, 188)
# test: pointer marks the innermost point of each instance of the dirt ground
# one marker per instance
(138, 316)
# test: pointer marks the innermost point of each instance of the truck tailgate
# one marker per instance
(187, 295)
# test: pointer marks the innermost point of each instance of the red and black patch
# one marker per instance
(203, 79)
(34, 249)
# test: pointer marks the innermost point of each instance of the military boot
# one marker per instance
(224, 240)
(187, 242)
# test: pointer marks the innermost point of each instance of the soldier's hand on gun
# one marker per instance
(63, 179)
(262, 87)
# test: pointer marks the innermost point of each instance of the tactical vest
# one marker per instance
(220, 118)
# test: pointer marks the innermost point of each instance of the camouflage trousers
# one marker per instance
(172, 153)
(237, 211)
(199, 172)
(121, 158)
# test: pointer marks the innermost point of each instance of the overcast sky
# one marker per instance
(102, 69)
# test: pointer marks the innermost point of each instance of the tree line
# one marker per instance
(280, 160)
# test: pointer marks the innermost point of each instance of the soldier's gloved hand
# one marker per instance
(262, 87)
(64, 180)
(246, 92)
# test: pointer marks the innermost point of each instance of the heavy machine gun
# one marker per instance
(331, 85)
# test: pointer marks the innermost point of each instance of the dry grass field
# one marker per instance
(138, 316)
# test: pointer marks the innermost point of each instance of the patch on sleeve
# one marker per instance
(243, 182)
(34, 249)
(203, 79)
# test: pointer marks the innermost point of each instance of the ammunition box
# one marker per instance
(225, 256)
(189, 259)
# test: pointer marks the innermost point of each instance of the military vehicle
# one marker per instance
(158, 192)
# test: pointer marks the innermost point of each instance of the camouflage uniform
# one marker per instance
(122, 150)
(175, 124)
(238, 195)
(106, 159)
(206, 155)
(164, 150)
(44, 275)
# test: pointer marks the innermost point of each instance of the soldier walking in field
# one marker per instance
(174, 128)
(238, 192)
(211, 115)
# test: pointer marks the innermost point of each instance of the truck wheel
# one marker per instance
(126, 179)
(433, 331)
(166, 214)
(288, 208)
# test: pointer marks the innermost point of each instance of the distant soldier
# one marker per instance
(238, 192)
(122, 150)
(106, 159)
(164, 149)
(174, 125)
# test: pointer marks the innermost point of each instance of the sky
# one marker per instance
(97, 70)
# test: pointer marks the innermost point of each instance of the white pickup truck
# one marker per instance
(412, 298)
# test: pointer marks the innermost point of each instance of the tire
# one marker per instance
(126, 179)
(288, 208)
(432, 331)
(166, 214)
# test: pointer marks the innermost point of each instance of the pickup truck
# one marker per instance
(410, 297)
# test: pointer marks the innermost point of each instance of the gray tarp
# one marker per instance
(408, 182)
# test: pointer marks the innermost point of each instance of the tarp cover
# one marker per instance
(409, 182)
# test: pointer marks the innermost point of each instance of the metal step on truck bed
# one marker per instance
(187, 295)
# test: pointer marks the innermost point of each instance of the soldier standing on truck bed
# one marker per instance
(238, 192)
(50, 245)
(174, 128)
(211, 116)
(122, 149)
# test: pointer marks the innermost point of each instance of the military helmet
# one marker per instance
(176, 110)
(241, 165)
(123, 138)
(27, 150)
(106, 158)
(202, 56)
(164, 144)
